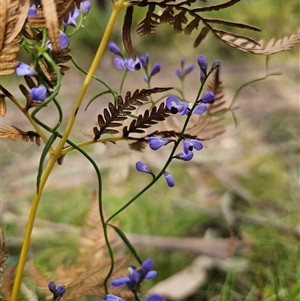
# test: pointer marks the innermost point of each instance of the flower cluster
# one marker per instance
(122, 63)
(57, 291)
(134, 280)
(183, 72)
(145, 64)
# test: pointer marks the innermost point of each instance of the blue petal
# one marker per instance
(202, 62)
(114, 48)
(85, 6)
(130, 65)
(187, 146)
(189, 69)
(52, 287)
(171, 183)
(147, 265)
(140, 166)
(155, 297)
(120, 281)
(134, 277)
(111, 297)
(184, 156)
(119, 63)
(23, 69)
(32, 12)
(178, 73)
(216, 64)
(200, 109)
(155, 70)
(197, 144)
(157, 142)
(38, 93)
(171, 102)
(208, 97)
(60, 290)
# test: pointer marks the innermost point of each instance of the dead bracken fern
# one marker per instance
(112, 115)
(12, 18)
(185, 17)
(86, 275)
(14, 133)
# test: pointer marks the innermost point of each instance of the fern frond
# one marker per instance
(113, 114)
(12, 18)
(146, 120)
(272, 47)
(14, 133)
(3, 257)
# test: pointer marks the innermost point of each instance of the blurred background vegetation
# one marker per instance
(256, 164)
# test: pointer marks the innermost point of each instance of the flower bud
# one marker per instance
(202, 62)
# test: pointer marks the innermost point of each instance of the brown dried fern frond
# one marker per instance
(85, 277)
(14, 133)
(272, 47)
(112, 115)
(180, 20)
(3, 257)
(2, 105)
(12, 18)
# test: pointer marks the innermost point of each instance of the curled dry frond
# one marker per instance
(272, 47)
(85, 277)
(14, 133)
(12, 18)
(186, 16)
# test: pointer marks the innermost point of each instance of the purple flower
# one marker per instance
(140, 166)
(111, 297)
(155, 69)
(155, 297)
(63, 41)
(85, 6)
(169, 179)
(200, 109)
(157, 142)
(121, 63)
(144, 61)
(216, 64)
(32, 12)
(72, 18)
(208, 97)
(202, 62)
(136, 276)
(202, 76)
(176, 106)
(181, 73)
(184, 156)
(190, 144)
(23, 69)
(114, 49)
(38, 93)
(56, 291)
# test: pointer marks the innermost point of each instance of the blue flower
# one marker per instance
(140, 166)
(32, 12)
(183, 72)
(157, 142)
(111, 297)
(72, 18)
(144, 61)
(208, 97)
(184, 156)
(176, 106)
(85, 6)
(56, 291)
(38, 93)
(114, 49)
(200, 109)
(63, 41)
(155, 297)
(136, 275)
(169, 179)
(190, 144)
(121, 63)
(216, 64)
(202, 62)
(23, 69)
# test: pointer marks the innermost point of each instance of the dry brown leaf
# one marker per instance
(270, 48)
(52, 24)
